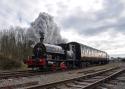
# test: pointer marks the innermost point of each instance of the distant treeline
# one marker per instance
(14, 47)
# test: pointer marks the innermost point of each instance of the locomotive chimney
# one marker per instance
(41, 37)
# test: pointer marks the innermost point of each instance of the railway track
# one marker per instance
(6, 75)
(27, 73)
(88, 81)
(17, 74)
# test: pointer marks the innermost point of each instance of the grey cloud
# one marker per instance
(15, 12)
(112, 8)
(96, 23)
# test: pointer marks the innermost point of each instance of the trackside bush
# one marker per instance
(7, 63)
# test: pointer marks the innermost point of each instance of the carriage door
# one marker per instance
(73, 48)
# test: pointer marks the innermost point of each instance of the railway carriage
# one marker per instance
(84, 54)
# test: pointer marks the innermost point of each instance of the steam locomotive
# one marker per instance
(72, 54)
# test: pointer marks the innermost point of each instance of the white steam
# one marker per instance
(45, 23)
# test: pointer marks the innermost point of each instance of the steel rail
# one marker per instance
(54, 84)
(27, 73)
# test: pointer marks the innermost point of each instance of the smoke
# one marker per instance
(44, 23)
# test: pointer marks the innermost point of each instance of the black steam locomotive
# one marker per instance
(72, 54)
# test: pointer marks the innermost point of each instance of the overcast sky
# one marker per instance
(97, 23)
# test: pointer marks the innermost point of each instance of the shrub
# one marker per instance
(8, 63)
